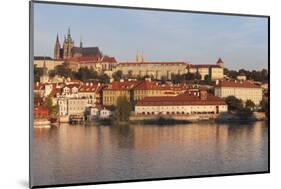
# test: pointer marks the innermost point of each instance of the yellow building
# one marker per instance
(156, 70)
(49, 62)
(150, 88)
(214, 71)
(137, 90)
(116, 89)
(100, 64)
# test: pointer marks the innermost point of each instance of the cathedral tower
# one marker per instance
(57, 49)
(68, 44)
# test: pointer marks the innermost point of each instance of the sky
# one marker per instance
(242, 42)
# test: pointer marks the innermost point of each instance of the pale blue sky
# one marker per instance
(241, 41)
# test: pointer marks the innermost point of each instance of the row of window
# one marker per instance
(176, 113)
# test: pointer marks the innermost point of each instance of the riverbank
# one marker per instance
(185, 119)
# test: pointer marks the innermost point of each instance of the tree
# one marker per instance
(177, 78)
(38, 72)
(265, 107)
(123, 110)
(234, 103)
(63, 70)
(130, 74)
(117, 75)
(104, 78)
(250, 104)
(52, 109)
(163, 79)
(189, 76)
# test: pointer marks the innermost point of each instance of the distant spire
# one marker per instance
(137, 56)
(81, 44)
(45, 69)
(68, 34)
(57, 41)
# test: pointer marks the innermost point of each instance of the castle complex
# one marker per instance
(91, 57)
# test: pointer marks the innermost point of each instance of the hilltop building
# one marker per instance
(213, 71)
(160, 70)
(69, 50)
(48, 62)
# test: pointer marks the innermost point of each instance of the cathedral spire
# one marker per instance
(45, 69)
(81, 44)
(68, 34)
(57, 41)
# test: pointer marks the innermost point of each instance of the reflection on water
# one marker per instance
(73, 154)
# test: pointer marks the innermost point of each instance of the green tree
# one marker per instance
(104, 78)
(265, 107)
(63, 70)
(117, 75)
(189, 76)
(38, 72)
(130, 74)
(250, 104)
(234, 103)
(52, 109)
(123, 110)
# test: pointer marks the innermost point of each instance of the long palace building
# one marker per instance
(160, 70)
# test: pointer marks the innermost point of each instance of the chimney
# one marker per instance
(203, 94)
(148, 79)
(217, 82)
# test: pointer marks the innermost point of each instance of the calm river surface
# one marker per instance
(75, 153)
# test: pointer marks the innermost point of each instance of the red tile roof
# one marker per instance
(125, 85)
(84, 59)
(88, 88)
(108, 59)
(203, 66)
(180, 100)
(160, 63)
(236, 84)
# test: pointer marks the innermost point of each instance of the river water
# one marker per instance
(76, 153)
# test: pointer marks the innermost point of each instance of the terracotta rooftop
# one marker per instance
(160, 63)
(108, 59)
(42, 58)
(124, 85)
(236, 84)
(202, 66)
(84, 59)
(180, 100)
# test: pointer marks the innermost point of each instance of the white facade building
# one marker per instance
(243, 90)
(72, 106)
(105, 113)
(181, 104)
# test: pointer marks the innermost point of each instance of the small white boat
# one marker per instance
(41, 123)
